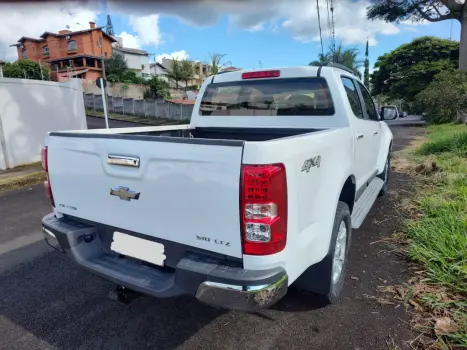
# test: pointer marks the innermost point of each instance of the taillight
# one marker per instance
(263, 209)
(262, 74)
(45, 166)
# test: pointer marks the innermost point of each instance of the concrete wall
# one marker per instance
(115, 89)
(31, 108)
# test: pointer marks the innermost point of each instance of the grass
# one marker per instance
(19, 181)
(135, 119)
(438, 233)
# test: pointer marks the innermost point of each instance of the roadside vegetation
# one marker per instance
(436, 237)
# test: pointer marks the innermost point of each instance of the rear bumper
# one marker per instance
(212, 280)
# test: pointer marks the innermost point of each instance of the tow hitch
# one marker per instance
(123, 294)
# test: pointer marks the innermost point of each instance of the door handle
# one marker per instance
(359, 136)
(375, 133)
(123, 160)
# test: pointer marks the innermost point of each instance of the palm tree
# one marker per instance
(346, 57)
(215, 61)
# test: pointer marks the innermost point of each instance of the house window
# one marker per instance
(24, 53)
(72, 46)
(45, 50)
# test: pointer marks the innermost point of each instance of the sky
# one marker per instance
(251, 33)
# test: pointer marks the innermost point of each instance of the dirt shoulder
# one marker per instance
(26, 175)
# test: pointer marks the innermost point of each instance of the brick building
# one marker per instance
(69, 54)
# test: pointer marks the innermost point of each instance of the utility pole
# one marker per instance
(104, 94)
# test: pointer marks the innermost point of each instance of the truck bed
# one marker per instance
(188, 135)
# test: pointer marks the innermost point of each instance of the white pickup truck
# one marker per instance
(260, 191)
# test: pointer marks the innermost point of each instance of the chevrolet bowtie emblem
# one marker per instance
(124, 193)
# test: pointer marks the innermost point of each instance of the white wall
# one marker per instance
(31, 108)
(135, 61)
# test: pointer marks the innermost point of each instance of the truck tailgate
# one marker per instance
(188, 192)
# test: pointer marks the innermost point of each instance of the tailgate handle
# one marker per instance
(123, 160)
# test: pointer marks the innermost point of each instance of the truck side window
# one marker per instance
(352, 95)
(370, 106)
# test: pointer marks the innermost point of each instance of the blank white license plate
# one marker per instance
(138, 248)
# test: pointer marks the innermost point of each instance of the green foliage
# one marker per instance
(407, 70)
(157, 87)
(437, 235)
(444, 97)
(187, 71)
(347, 57)
(115, 68)
(216, 61)
(25, 69)
(174, 73)
(403, 10)
(455, 143)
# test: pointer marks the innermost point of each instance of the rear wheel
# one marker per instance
(326, 278)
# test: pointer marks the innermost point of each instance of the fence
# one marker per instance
(142, 108)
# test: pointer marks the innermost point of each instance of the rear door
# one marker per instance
(374, 125)
(186, 191)
(362, 131)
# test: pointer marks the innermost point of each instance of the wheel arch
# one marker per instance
(348, 190)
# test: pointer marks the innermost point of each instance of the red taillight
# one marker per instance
(263, 209)
(262, 74)
(44, 154)
(45, 165)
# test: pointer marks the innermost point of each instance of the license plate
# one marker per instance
(138, 248)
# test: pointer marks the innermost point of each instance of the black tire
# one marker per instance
(318, 278)
(385, 176)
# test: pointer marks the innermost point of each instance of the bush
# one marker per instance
(456, 143)
(444, 97)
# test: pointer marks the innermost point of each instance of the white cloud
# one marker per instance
(297, 17)
(177, 55)
(30, 19)
(147, 29)
(130, 41)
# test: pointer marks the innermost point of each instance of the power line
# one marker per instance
(320, 33)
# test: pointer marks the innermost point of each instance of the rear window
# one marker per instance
(268, 97)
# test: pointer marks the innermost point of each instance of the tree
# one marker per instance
(407, 70)
(216, 62)
(116, 67)
(187, 71)
(25, 69)
(424, 10)
(444, 97)
(346, 57)
(158, 88)
(366, 74)
(174, 72)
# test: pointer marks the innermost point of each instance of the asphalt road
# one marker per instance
(48, 303)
